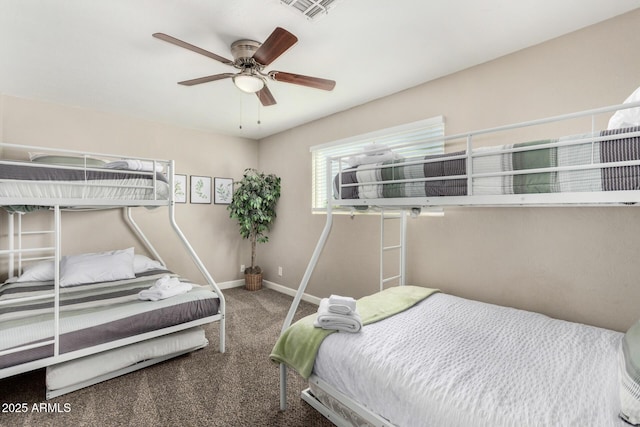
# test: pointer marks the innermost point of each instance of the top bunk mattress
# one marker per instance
(582, 163)
(23, 183)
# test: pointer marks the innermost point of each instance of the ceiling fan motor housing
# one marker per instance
(243, 50)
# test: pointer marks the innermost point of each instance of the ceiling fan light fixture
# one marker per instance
(249, 83)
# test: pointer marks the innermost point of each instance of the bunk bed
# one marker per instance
(444, 360)
(93, 316)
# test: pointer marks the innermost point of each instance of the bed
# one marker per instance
(70, 179)
(570, 169)
(92, 316)
(444, 360)
(581, 163)
(450, 361)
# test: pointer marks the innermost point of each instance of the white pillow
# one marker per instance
(96, 267)
(142, 263)
(40, 272)
(629, 117)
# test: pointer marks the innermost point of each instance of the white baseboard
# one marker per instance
(231, 284)
(270, 285)
(291, 292)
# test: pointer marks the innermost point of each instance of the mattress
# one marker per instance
(86, 368)
(503, 169)
(454, 362)
(92, 314)
(25, 181)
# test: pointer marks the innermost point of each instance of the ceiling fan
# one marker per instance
(251, 58)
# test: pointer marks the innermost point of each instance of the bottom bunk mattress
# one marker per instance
(92, 314)
(77, 371)
(449, 361)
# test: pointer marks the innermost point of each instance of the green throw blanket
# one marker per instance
(298, 345)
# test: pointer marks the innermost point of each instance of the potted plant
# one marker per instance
(253, 206)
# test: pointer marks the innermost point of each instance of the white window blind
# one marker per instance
(422, 137)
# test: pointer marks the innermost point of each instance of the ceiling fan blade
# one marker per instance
(265, 96)
(191, 47)
(206, 79)
(275, 45)
(299, 79)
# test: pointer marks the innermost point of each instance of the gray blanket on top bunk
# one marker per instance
(405, 177)
(610, 149)
(405, 169)
(20, 171)
(22, 180)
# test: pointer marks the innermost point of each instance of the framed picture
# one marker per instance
(180, 188)
(222, 190)
(200, 189)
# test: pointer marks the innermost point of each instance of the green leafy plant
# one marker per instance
(253, 205)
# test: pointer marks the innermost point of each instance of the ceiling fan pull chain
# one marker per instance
(259, 110)
(240, 111)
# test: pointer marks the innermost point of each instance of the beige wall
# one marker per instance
(572, 263)
(208, 227)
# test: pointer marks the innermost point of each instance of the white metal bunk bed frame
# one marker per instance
(413, 205)
(14, 228)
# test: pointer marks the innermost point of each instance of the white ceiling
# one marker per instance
(100, 55)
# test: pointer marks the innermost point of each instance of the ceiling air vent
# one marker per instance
(311, 9)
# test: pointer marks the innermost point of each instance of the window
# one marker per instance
(423, 135)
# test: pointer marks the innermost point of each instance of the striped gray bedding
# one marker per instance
(385, 180)
(92, 314)
(20, 171)
(393, 171)
(20, 180)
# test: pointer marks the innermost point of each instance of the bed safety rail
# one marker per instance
(474, 177)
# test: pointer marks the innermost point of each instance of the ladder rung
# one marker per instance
(39, 258)
(29, 233)
(388, 248)
(388, 279)
(17, 251)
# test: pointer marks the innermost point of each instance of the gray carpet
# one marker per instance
(204, 388)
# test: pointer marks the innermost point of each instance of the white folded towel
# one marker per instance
(338, 322)
(341, 305)
(164, 287)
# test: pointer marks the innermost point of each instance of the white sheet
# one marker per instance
(450, 362)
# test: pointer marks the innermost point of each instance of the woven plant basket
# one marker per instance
(253, 282)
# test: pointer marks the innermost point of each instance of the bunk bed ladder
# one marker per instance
(19, 252)
(399, 246)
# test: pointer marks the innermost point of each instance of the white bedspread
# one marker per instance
(450, 362)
